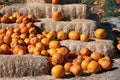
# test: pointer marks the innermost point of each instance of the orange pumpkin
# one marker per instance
(84, 64)
(24, 30)
(84, 51)
(34, 40)
(4, 19)
(54, 44)
(44, 53)
(51, 51)
(67, 66)
(84, 37)
(16, 14)
(40, 45)
(25, 20)
(22, 25)
(93, 67)
(7, 39)
(73, 35)
(29, 25)
(57, 16)
(100, 34)
(5, 48)
(19, 19)
(76, 70)
(31, 17)
(45, 41)
(106, 64)
(55, 2)
(96, 56)
(57, 58)
(62, 35)
(64, 51)
(58, 71)
(32, 30)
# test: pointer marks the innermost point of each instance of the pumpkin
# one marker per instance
(16, 14)
(55, 2)
(57, 58)
(96, 56)
(5, 48)
(54, 44)
(67, 66)
(62, 35)
(58, 71)
(31, 17)
(76, 70)
(4, 19)
(84, 64)
(105, 64)
(84, 37)
(84, 51)
(25, 20)
(73, 35)
(57, 16)
(93, 67)
(100, 33)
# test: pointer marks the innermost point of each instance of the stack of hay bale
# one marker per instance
(77, 15)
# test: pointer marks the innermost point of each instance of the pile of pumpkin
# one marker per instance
(17, 17)
(25, 40)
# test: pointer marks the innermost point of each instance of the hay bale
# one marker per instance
(49, 1)
(38, 1)
(105, 47)
(45, 10)
(80, 25)
(19, 66)
(5, 25)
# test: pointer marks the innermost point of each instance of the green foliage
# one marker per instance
(110, 5)
(109, 8)
(13, 2)
(90, 2)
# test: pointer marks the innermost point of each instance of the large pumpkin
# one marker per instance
(58, 71)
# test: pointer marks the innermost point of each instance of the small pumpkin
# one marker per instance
(62, 35)
(57, 58)
(96, 56)
(31, 17)
(16, 14)
(55, 2)
(67, 66)
(57, 16)
(93, 67)
(73, 35)
(76, 70)
(54, 44)
(84, 37)
(100, 33)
